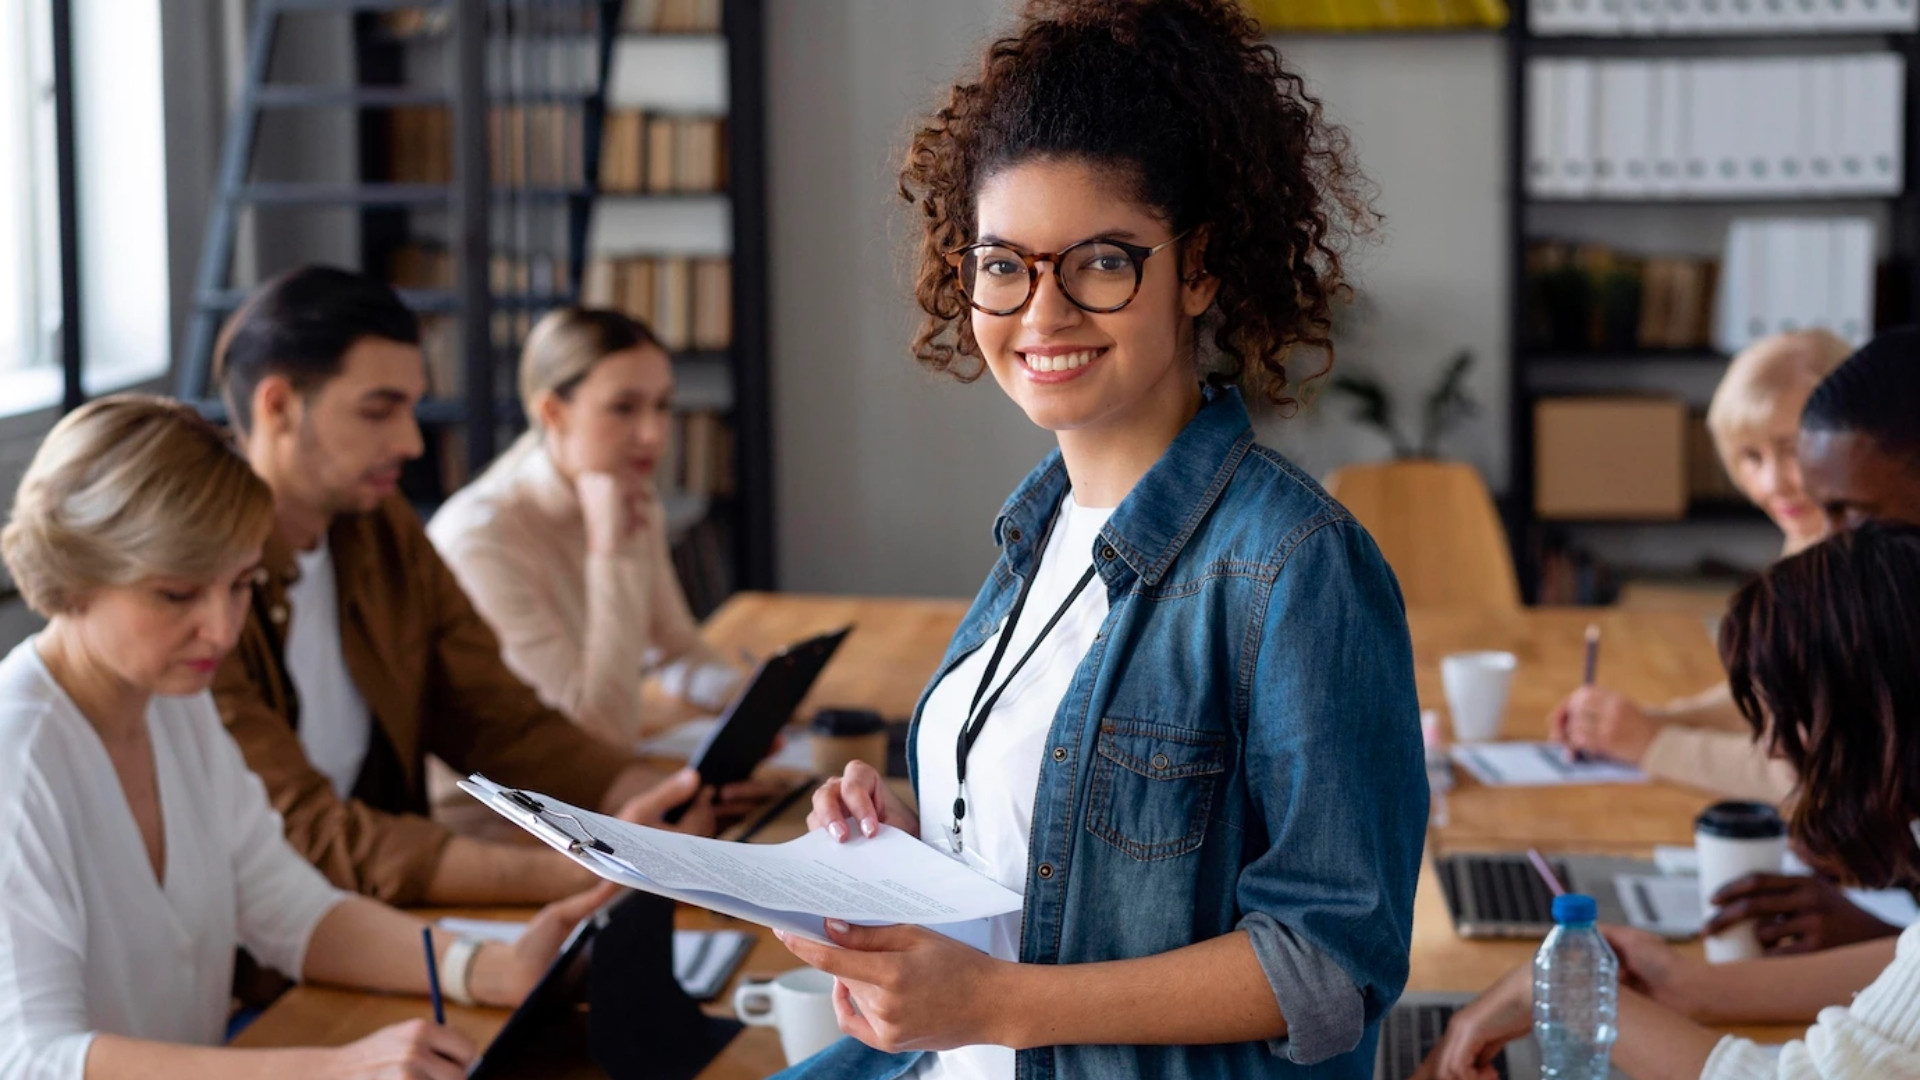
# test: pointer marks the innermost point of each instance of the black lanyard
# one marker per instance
(977, 713)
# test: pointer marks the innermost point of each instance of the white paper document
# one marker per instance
(1538, 764)
(795, 886)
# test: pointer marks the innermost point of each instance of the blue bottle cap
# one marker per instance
(1575, 908)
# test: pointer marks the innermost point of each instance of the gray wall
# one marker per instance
(888, 479)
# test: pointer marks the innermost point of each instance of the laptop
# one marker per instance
(1499, 895)
(1416, 1023)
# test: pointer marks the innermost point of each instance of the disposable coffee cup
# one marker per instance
(842, 736)
(798, 1004)
(1477, 684)
(1735, 839)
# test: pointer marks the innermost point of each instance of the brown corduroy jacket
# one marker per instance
(430, 671)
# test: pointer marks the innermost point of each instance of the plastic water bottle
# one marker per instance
(1576, 994)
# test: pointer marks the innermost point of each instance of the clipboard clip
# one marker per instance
(547, 817)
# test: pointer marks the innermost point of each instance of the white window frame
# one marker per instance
(29, 211)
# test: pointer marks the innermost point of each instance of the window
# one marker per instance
(29, 194)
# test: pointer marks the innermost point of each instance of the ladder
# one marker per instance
(471, 197)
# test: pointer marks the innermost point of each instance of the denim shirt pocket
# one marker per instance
(1153, 785)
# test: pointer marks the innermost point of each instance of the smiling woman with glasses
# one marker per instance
(1180, 716)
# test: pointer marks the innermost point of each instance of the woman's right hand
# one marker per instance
(415, 1050)
(615, 511)
(1660, 971)
(1603, 722)
(862, 794)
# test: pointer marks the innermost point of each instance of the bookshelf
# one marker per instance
(1556, 551)
(678, 238)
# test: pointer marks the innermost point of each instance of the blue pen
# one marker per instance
(433, 977)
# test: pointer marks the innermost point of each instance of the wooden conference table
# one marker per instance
(897, 644)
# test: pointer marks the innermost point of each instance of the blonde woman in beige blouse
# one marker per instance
(562, 542)
(1701, 740)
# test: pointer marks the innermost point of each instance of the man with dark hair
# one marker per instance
(1860, 435)
(361, 655)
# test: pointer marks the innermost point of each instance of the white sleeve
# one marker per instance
(43, 994)
(281, 896)
(1878, 1036)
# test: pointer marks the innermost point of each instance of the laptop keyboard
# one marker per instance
(1408, 1033)
(1498, 889)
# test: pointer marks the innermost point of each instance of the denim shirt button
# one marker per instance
(1059, 753)
(1046, 871)
(1108, 553)
(1013, 536)
(1160, 762)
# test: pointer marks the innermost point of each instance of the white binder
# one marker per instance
(1735, 304)
(1850, 297)
(1622, 165)
(1883, 86)
(1574, 143)
(1715, 162)
(1668, 124)
(1820, 122)
(1546, 83)
(1775, 112)
(1551, 18)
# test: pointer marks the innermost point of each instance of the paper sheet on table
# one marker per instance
(683, 740)
(795, 886)
(1538, 764)
(1671, 905)
(702, 959)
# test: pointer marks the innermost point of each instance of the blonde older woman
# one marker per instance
(562, 543)
(1701, 741)
(139, 851)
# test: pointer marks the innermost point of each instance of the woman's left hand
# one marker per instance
(902, 988)
(1477, 1033)
(503, 975)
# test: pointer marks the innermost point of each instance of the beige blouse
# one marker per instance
(583, 630)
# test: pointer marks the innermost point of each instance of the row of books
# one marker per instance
(1590, 297)
(427, 265)
(687, 301)
(671, 16)
(1571, 575)
(1708, 128)
(1784, 274)
(1334, 16)
(528, 145)
(699, 455)
(653, 153)
(526, 20)
(1657, 18)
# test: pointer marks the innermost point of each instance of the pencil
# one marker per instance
(1593, 654)
(433, 977)
(1546, 872)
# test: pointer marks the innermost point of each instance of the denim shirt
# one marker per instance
(1238, 750)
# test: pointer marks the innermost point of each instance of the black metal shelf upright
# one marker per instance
(1524, 528)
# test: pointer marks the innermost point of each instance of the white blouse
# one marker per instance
(90, 941)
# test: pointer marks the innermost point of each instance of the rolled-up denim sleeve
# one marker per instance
(1335, 771)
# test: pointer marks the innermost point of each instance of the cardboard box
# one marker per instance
(1610, 458)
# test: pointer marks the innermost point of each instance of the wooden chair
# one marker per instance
(1436, 524)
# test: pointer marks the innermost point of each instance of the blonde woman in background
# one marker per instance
(1701, 740)
(139, 851)
(562, 542)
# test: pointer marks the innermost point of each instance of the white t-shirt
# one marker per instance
(1003, 769)
(90, 941)
(335, 726)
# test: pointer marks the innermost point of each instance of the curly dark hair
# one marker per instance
(1823, 657)
(1199, 114)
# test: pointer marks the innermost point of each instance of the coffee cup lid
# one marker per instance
(1740, 821)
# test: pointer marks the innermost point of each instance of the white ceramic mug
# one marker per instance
(1735, 839)
(1476, 684)
(799, 1004)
